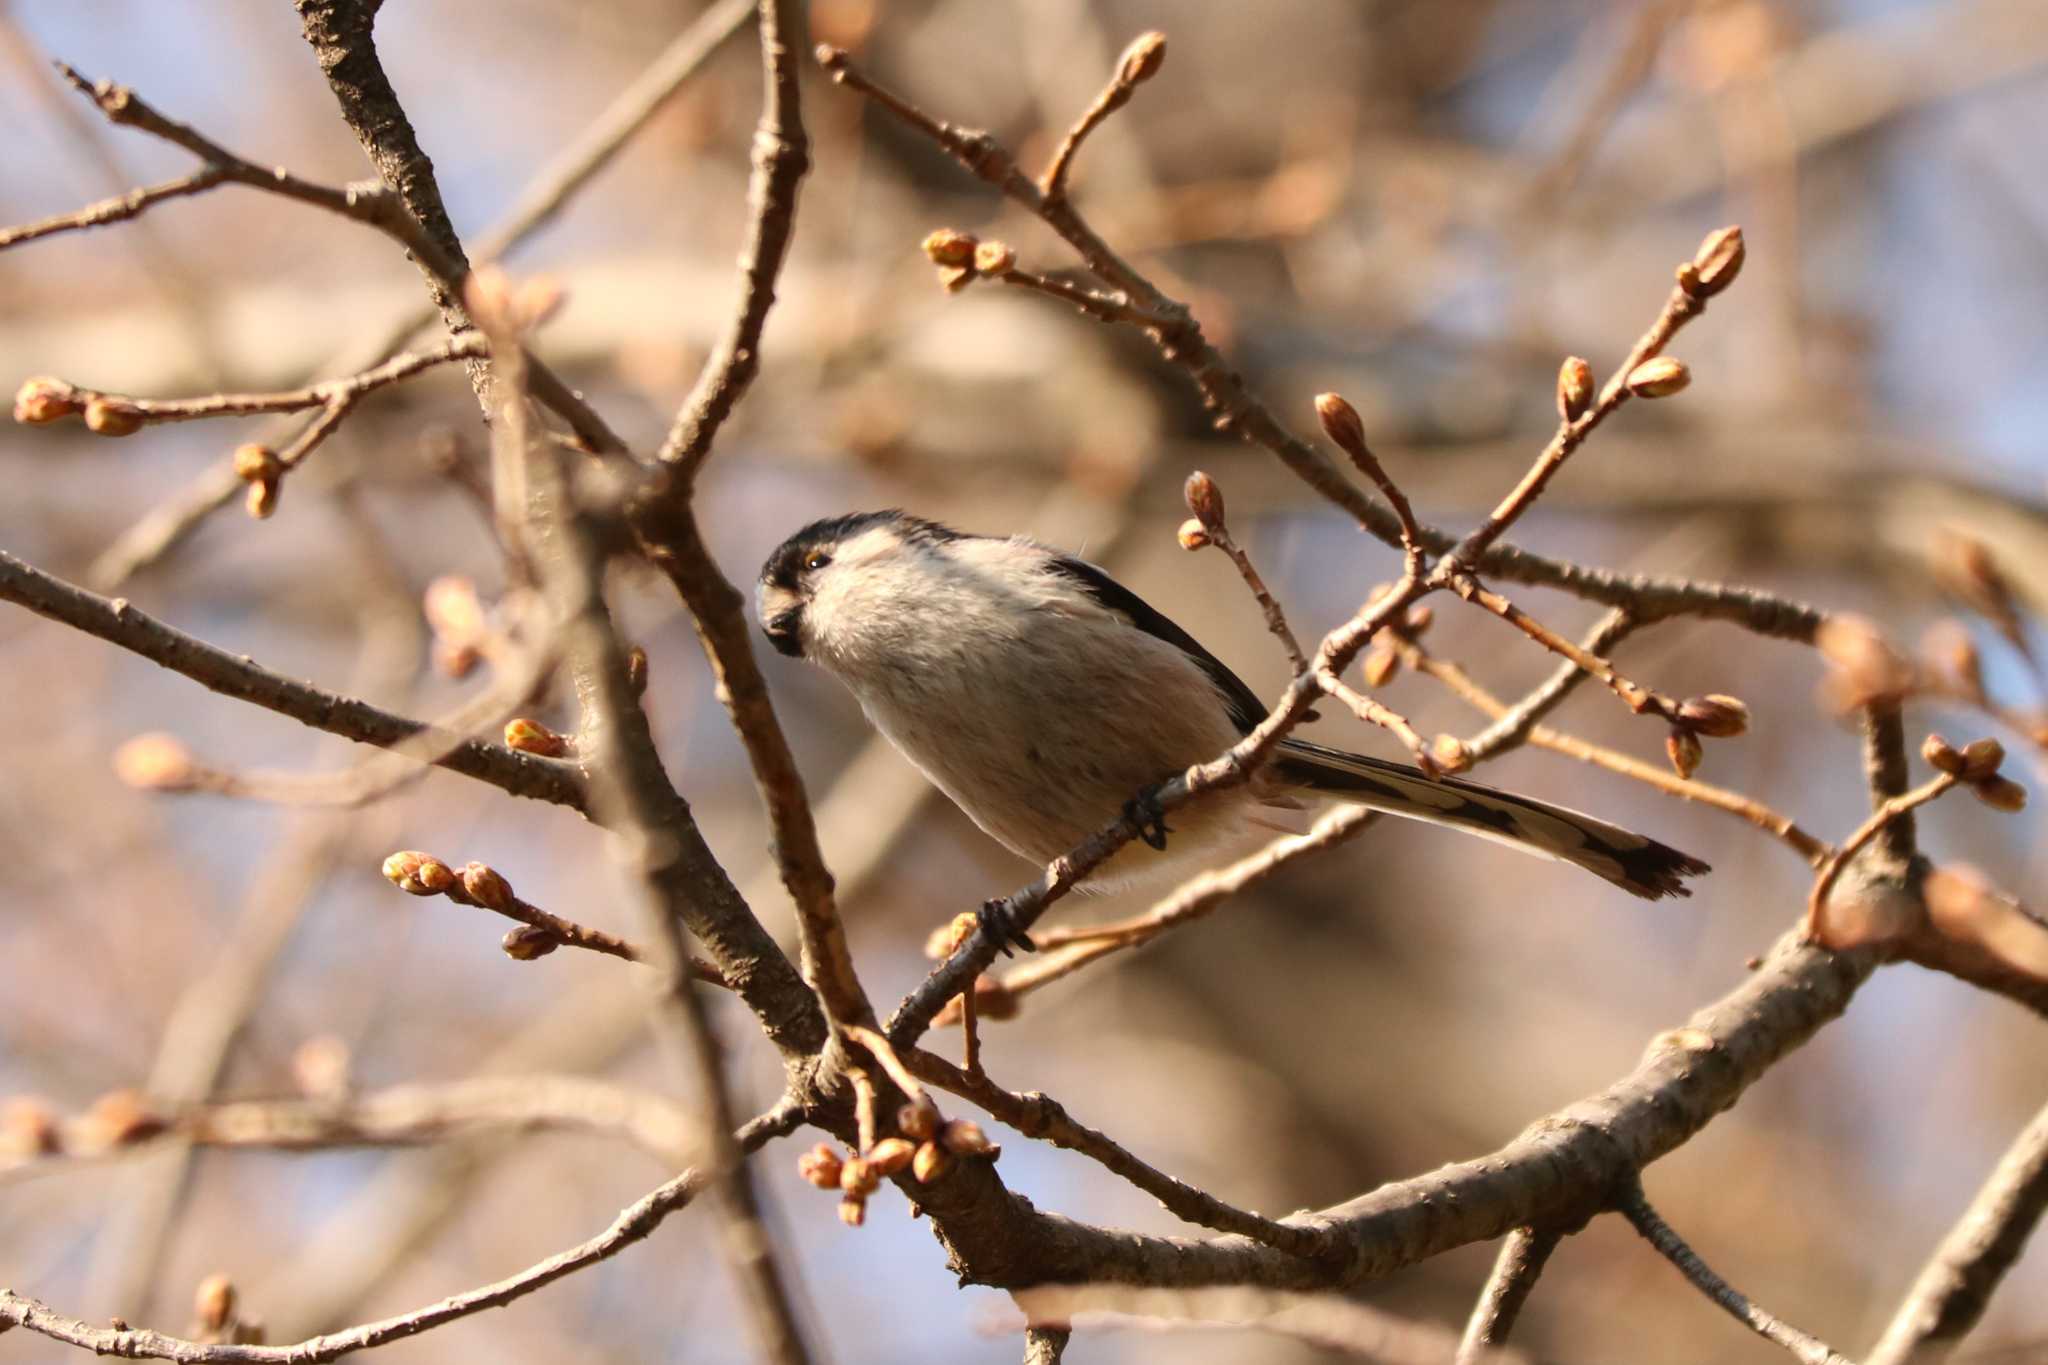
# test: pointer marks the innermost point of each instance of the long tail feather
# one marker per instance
(1636, 864)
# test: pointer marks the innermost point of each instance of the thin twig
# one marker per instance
(631, 109)
(781, 156)
(1638, 698)
(117, 209)
(1269, 606)
(1065, 951)
(1956, 1285)
(1512, 726)
(1658, 1233)
(1137, 65)
(347, 390)
(403, 1115)
(375, 205)
(1377, 713)
(1885, 814)
(236, 676)
(1523, 1254)
(1038, 1115)
(634, 1223)
(542, 198)
(880, 1049)
(1781, 826)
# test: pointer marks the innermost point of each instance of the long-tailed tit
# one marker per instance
(1044, 697)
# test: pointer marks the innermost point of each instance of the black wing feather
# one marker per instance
(1246, 710)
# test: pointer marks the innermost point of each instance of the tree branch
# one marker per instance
(1955, 1287)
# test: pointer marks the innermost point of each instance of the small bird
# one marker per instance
(1045, 698)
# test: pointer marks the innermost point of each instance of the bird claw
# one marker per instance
(999, 922)
(1148, 818)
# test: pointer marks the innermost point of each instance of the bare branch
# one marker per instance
(232, 675)
(781, 156)
(633, 1224)
(1658, 1233)
(1955, 1286)
(1523, 1254)
(118, 209)
(1037, 1115)
(403, 1115)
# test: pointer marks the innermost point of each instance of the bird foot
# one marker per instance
(1148, 817)
(999, 922)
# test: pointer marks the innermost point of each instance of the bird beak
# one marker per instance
(782, 632)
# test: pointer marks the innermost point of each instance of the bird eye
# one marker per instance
(816, 559)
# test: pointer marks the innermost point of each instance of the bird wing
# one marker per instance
(1246, 710)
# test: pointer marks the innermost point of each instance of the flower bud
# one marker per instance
(1942, 755)
(950, 248)
(1658, 377)
(820, 1166)
(1966, 568)
(963, 1137)
(256, 463)
(261, 499)
(214, 1302)
(858, 1176)
(2001, 793)
(994, 258)
(1450, 753)
(1716, 715)
(1381, 664)
(1418, 620)
(1341, 422)
(891, 1155)
(1689, 280)
(320, 1067)
(954, 278)
(486, 887)
(528, 942)
(948, 938)
(28, 1127)
(930, 1162)
(111, 417)
(1952, 656)
(418, 874)
(453, 610)
(120, 1117)
(1981, 758)
(1574, 388)
(156, 762)
(1719, 260)
(1192, 536)
(1205, 500)
(853, 1212)
(1682, 747)
(1142, 59)
(531, 737)
(44, 399)
(455, 661)
(918, 1119)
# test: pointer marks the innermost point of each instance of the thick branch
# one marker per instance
(1956, 1285)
